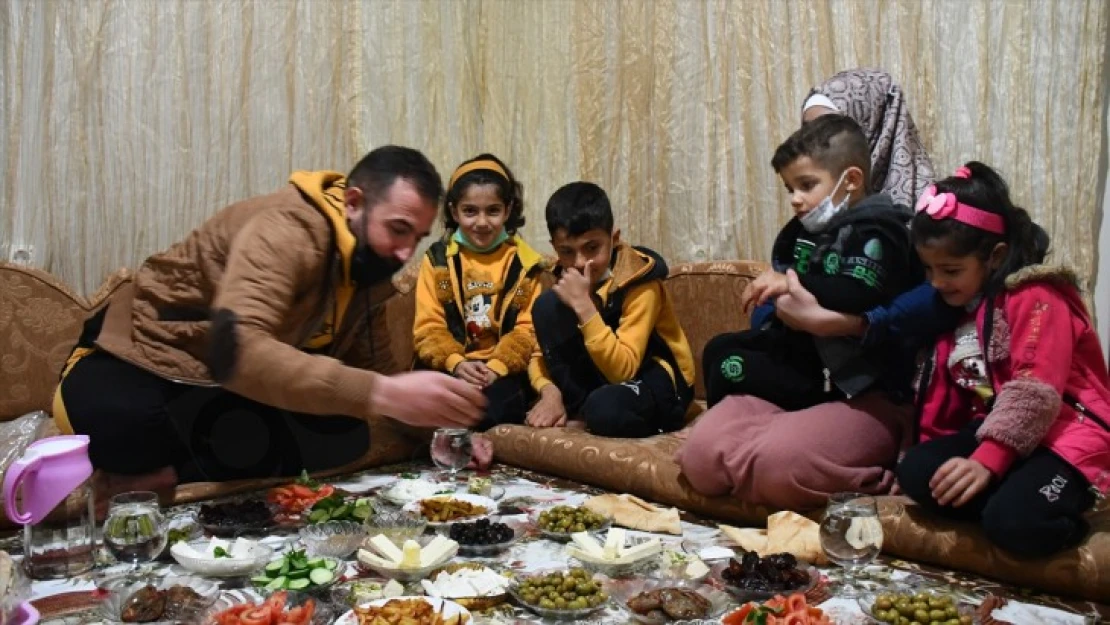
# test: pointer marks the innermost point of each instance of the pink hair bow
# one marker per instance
(936, 205)
(946, 206)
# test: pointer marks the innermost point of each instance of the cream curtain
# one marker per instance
(128, 122)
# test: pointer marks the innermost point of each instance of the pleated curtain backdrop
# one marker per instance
(128, 122)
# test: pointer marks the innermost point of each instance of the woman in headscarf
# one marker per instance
(900, 167)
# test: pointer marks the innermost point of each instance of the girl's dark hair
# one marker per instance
(508, 191)
(986, 190)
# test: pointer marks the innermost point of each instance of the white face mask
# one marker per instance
(816, 219)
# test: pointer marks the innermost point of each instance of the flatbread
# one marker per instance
(632, 512)
(787, 532)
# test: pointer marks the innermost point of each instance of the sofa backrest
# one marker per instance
(40, 320)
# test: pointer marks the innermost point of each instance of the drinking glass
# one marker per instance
(451, 450)
(851, 535)
(135, 530)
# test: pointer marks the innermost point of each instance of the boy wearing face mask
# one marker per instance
(851, 250)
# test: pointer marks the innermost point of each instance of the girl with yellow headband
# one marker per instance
(476, 288)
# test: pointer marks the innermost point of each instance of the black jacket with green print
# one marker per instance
(863, 258)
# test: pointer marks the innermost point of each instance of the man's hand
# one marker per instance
(428, 399)
(474, 371)
(573, 289)
(481, 454)
(958, 481)
(769, 285)
(549, 411)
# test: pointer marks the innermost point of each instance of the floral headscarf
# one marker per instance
(900, 167)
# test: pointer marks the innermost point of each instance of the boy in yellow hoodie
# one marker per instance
(613, 352)
(476, 288)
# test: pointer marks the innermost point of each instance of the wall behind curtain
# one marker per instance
(128, 122)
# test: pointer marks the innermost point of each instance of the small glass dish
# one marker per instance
(334, 566)
(957, 609)
(237, 516)
(679, 567)
(621, 569)
(364, 590)
(118, 599)
(409, 574)
(556, 614)
(742, 594)
(259, 555)
(333, 539)
(563, 537)
(626, 589)
(520, 529)
(396, 526)
(322, 613)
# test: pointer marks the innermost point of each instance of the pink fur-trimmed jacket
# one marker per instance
(1049, 377)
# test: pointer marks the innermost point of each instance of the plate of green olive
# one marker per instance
(559, 522)
(923, 607)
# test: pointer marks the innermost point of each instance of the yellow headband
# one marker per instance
(475, 166)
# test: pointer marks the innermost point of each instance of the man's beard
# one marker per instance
(367, 268)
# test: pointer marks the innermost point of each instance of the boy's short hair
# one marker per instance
(833, 142)
(579, 207)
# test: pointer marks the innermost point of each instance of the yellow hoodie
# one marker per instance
(477, 302)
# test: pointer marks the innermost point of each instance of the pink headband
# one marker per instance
(946, 206)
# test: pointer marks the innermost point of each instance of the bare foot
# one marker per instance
(575, 424)
(107, 485)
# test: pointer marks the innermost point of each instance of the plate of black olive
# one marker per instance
(485, 537)
(236, 517)
(752, 578)
(169, 600)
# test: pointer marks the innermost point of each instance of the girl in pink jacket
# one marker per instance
(1015, 403)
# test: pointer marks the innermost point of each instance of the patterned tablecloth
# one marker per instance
(73, 601)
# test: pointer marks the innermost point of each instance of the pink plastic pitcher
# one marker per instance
(49, 491)
(48, 472)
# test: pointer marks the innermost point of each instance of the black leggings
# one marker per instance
(507, 401)
(1035, 509)
(138, 422)
(646, 405)
(776, 365)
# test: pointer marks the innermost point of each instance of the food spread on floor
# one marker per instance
(537, 554)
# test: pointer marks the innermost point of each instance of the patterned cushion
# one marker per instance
(646, 468)
(40, 320)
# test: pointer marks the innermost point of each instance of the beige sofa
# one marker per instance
(40, 319)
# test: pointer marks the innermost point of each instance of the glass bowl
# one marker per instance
(323, 614)
(621, 569)
(220, 567)
(962, 609)
(333, 539)
(556, 614)
(112, 608)
(486, 551)
(743, 595)
(447, 610)
(223, 518)
(624, 590)
(409, 574)
(364, 590)
(396, 526)
(563, 537)
(331, 564)
(674, 567)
